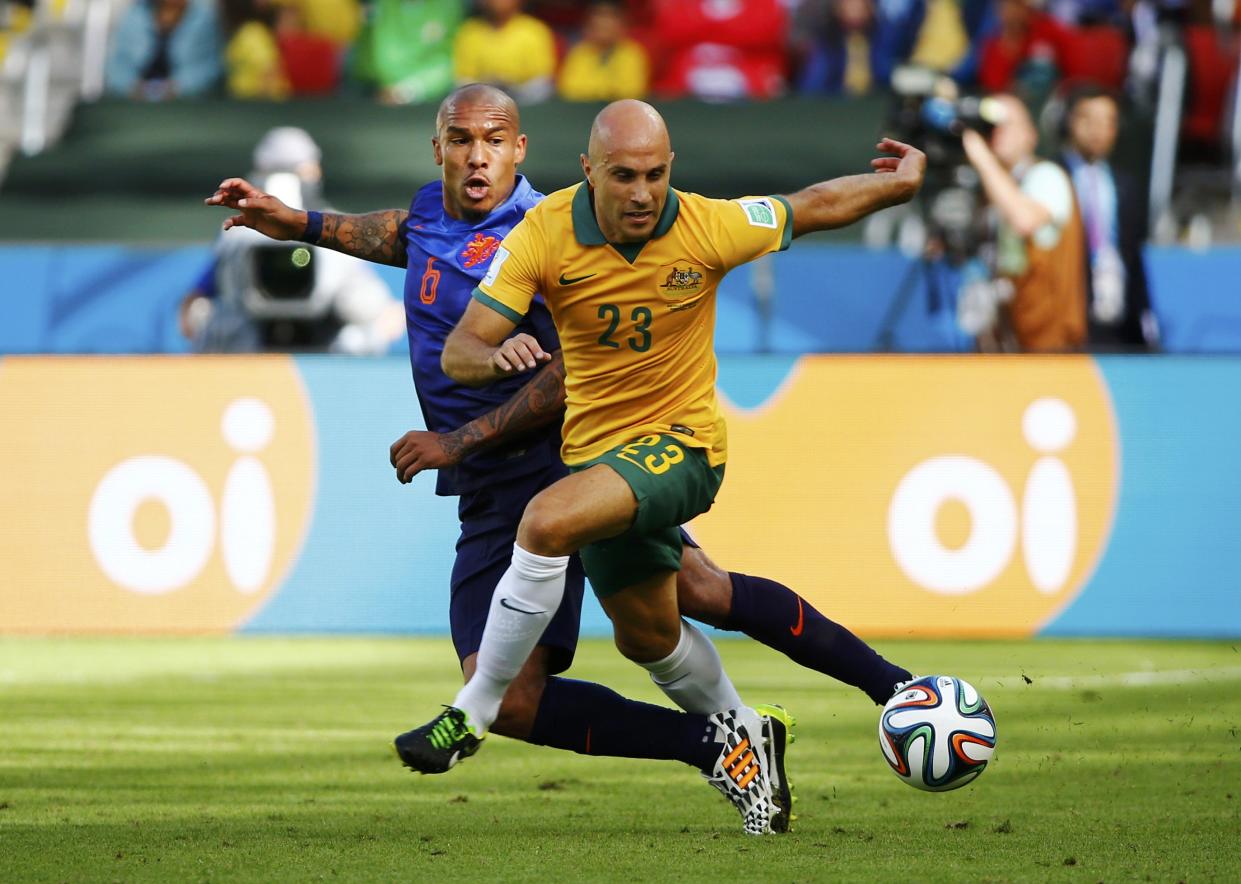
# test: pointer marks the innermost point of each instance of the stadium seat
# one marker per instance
(1099, 54)
(1212, 71)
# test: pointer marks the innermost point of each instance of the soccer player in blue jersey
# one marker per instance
(495, 447)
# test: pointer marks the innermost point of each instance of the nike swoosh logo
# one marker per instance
(566, 281)
(504, 604)
(796, 630)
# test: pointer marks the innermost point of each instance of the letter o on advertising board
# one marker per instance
(191, 536)
(993, 524)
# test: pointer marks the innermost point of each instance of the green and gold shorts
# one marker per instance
(672, 483)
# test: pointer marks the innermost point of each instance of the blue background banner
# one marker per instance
(121, 299)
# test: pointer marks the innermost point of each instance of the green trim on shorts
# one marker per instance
(672, 484)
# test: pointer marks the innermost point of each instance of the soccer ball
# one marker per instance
(937, 733)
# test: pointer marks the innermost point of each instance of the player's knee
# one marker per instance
(704, 589)
(546, 530)
(649, 643)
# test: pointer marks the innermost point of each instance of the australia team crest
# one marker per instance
(680, 280)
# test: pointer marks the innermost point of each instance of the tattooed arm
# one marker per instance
(373, 237)
(537, 404)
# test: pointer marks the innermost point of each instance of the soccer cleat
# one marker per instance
(439, 744)
(741, 771)
(778, 734)
(901, 685)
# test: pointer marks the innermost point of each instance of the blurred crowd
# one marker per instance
(416, 50)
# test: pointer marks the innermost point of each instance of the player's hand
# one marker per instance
(908, 165)
(519, 353)
(259, 211)
(420, 450)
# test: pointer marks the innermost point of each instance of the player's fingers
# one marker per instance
(397, 452)
(262, 203)
(234, 221)
(414, 468)
(536, 349)
(524, 354)
(501, 362)
(891, 145)
(885, 164)
(240, 186)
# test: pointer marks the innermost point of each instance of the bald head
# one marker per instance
(479, 144)
(477, 95)
(627, 125)
(628, 164)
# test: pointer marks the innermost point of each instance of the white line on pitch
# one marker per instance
(1205, 675)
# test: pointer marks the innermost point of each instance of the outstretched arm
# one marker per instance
(477, 352)
(537, 404)
(375, 236)
(841, 201)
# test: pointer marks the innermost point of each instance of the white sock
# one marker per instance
(524, 602)
(693, 677)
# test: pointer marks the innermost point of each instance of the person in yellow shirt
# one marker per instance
(606, 65)
(629, 269)
(506, 48)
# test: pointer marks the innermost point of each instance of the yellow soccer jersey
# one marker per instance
(637, 331)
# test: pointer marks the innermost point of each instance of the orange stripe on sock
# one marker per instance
(732, 756)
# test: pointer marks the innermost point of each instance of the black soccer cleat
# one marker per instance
(439, 744)
(778, 734)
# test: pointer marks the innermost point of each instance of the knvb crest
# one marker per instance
(479, 250)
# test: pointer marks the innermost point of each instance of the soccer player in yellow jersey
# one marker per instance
(629, 269)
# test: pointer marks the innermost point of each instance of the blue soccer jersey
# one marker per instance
(447, 258)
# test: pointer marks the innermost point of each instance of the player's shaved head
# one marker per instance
(478, 142)
(477, 95)
(628, 162)
(628, 124)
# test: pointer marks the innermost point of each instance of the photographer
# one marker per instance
(1040, 247)
(260, 294)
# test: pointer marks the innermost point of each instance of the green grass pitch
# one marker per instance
(269, 759)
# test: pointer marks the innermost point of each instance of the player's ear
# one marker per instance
(439, 152)
(585, 166)
(519, 153)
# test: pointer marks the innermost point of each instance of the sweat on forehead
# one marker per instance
(477, 95)
(624, 125)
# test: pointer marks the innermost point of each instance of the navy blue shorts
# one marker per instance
(489, 520)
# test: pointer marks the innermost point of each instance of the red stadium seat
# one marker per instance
(1099, 54)
(1212, 58)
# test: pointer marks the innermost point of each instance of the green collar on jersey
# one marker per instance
(586, 226)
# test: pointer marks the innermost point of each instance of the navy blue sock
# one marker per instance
(773, 614)
(589, 719)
